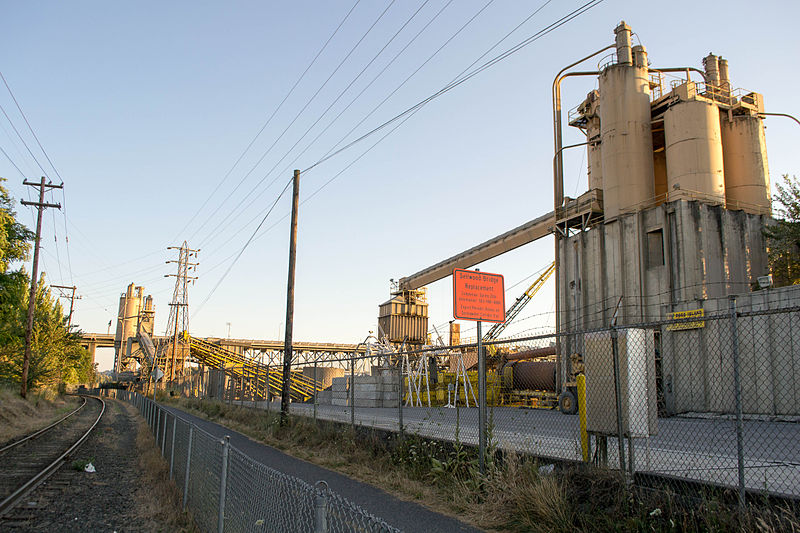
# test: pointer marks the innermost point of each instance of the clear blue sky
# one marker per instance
(144, 108)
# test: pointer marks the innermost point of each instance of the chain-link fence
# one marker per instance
(226, 490)
(710, 398)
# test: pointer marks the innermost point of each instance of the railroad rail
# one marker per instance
(31, 460)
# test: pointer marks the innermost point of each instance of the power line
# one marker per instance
(538, 35)
(12, 162)
(297, 116)
(52, 165)
(243, 248)
(220, 229)
(269, 120)
(411, 111)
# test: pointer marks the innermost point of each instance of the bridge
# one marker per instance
(252, 348)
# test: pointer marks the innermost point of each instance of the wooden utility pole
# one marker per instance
(40, 205)
(287, 345)
(71, 298)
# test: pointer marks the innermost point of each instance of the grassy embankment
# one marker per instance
(20, 417)
(514, 496)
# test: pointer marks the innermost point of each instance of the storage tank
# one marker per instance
(744, 150)
(625, 133)
(530, 375)
(404, 317)
(127, 321)
(694, 152)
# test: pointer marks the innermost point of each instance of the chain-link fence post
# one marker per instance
(315, 391)
(400, 387)
(481, 404)
(738, 395)
(269, 390)
(618, 398)
(164, 436)
(172, 447)
(158, 424)
(353, 391)
(321, 508)
(223, 483)
(188, 467)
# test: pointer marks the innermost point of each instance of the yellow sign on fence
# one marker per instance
(683, 315)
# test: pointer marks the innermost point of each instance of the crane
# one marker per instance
(520, 303)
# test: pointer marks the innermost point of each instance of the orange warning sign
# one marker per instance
(478, 296)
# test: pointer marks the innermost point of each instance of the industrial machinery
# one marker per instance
(255, 378)
(519, 304)
(404, 317)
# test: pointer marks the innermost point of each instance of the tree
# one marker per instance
(14, 237)
(56, 353)
(783, 237)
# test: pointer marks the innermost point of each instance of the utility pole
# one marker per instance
(287, 346)
(179, 307)
(71, 298)
(40, 205)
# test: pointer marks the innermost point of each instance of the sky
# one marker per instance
(183, 121)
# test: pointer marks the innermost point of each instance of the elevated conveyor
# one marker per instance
(255, 376)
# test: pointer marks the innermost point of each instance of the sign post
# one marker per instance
(479, 296)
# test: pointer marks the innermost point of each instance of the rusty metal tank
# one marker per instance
(744, 150)
(625, 132)
(694, 152)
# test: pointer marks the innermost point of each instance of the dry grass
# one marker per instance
(513, 497)
(158, 498)
(20, 417)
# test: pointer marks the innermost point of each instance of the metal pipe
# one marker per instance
(558, 173)
(223, 484)
(780, 115)
(188, 467)
(618, 398)
(481, 404)
(738, 396)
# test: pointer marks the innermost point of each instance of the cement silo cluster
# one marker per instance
(678, 197)
(653, 139)
(136, 313)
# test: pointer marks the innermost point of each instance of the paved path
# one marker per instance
(406, 516)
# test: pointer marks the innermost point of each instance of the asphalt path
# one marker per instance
(404, 515)
(701, 447)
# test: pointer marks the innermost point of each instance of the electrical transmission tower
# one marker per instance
(173, 359)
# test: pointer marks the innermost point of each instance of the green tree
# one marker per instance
(783, 237)
(56, 353)
(14, 237)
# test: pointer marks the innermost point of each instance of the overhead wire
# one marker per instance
(405, 116)
(58, 174)
(220, 229)
(269, 119)
(297, 116)
(538, 35)
(246, 244)
(434, 54)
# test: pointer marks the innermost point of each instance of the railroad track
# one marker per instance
(26, 463)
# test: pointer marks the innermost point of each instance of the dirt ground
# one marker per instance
(128, 492)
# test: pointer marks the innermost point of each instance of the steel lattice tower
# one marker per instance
(173, 356)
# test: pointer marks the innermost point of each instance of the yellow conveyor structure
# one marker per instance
(256, 376)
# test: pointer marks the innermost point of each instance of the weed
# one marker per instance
(80, 464)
